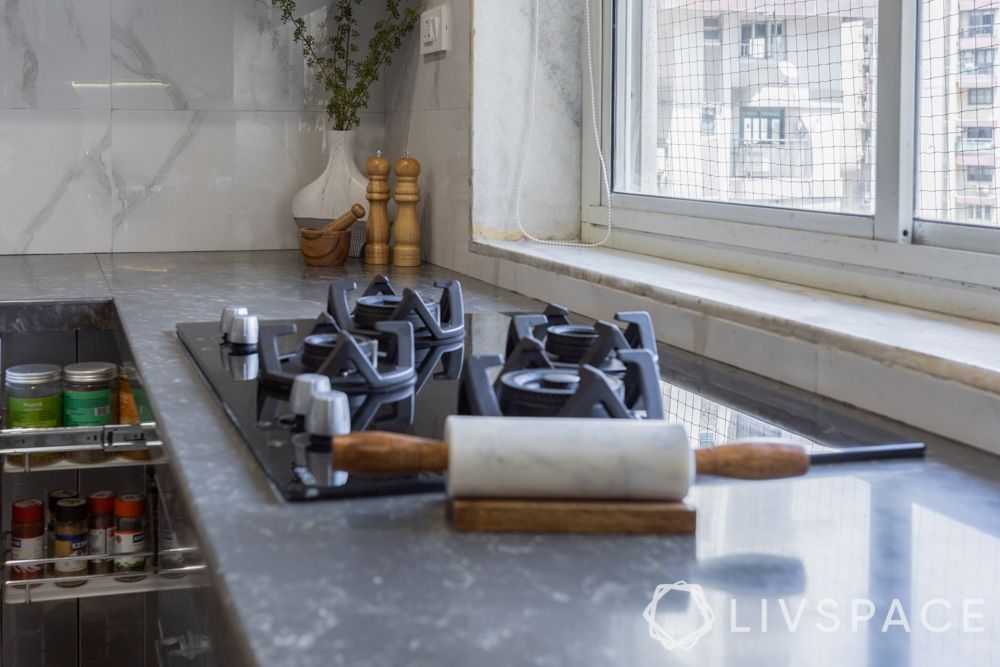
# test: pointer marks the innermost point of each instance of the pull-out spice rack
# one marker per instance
(154, 578)
(111, 440)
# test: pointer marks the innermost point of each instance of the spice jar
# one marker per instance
(55, 496)
(90, 394)
(34, 400)
(101, 530)
(27, 537)
(132, 405)
(130, 535)
(128, 378)
(71, 540)
(34, 396)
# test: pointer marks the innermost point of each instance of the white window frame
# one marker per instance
(891, 239)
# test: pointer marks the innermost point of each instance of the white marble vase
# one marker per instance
(340, 186)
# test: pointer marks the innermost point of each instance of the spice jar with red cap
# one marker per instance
(130, 535)
(27, 537)
(101, 530)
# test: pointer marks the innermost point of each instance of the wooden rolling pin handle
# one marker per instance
(752, 460)
(377, 452)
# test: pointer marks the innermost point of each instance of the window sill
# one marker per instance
(865, 352)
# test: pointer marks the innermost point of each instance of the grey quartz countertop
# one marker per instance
(385, 581)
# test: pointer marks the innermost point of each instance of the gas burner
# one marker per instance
(567, 345)
(531, 385)
(434, 322)
(355, 364)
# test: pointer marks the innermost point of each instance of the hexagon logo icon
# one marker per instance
(661, 634)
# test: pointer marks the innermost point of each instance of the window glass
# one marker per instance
(767, 102)
(957, 112)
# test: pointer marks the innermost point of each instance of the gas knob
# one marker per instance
(329, 414)
(229, 313)
(244, 332)
(303, 388)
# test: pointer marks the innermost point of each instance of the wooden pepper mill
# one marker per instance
(407, 227)
(377, 229)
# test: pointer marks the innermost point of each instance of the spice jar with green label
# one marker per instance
(90, 394)
(130, 535)
(34, 396)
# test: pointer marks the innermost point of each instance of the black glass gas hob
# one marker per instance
(407, 361)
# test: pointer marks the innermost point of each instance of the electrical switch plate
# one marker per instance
(435, 30)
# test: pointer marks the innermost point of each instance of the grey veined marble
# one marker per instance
(385, 581)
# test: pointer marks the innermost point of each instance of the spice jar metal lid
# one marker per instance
(128, 371)
(28, 510)
(29, 374)
(91, 371)
(101, 502)
(55, 495)
(71, 509)
(129, 504)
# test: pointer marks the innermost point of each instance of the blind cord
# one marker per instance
(526, 146)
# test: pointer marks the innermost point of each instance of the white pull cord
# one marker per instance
(531, 128)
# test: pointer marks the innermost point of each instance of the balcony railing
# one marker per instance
(965, 145)
(976, 31)
(789, 158)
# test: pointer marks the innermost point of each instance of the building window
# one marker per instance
(979, 213)
(712, 29)
(977, 22)
(979, 174)
(979, 134)
(762, 126)
(980, 96)
(762, 40)
(977, 61)
(708, 121)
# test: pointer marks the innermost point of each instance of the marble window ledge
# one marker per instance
(886, 358)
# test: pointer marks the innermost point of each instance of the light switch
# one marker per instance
(435, 30)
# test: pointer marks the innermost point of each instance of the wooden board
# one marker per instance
(571, 516)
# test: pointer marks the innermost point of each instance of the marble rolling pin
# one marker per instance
(566, 475)
(533, 457)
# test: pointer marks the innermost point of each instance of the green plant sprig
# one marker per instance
(347, 80)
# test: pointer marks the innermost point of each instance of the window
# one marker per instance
(980, 96)
(977, 22)
(979, 213)
(707, 121)
(762, 40)
(789, 122)
(762, 126)
(979, 174)
(712, 29)
(978, 138)
(798, 122)
(976, 61)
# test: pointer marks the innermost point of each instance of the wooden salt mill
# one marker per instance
(377, 229)
(407, 227)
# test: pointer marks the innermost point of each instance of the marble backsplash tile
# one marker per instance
(54, 54)
(55, 181)
(216, 180)
(135, 125)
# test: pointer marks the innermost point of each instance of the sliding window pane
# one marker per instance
(748, 101)
(958, 111)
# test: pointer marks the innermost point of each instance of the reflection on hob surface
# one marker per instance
(715, 402)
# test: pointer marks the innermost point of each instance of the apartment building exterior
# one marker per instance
(767, 108)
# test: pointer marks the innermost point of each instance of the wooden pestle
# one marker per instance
(341, 224)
